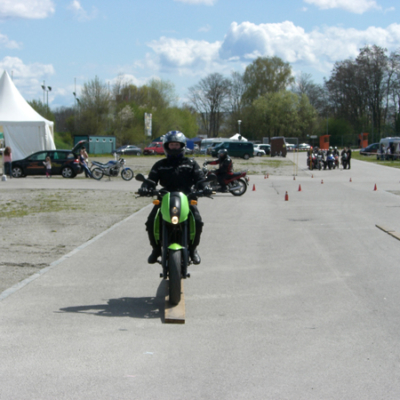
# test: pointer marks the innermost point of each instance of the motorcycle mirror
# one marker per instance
(140, 177)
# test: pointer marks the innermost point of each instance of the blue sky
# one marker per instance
(66, 41)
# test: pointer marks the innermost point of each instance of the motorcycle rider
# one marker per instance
(336, 152)
(175, 173)
(225, 168)
(349, 158)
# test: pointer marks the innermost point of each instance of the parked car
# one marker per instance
(290, 146)
(303, 147)
(154, 148)
(371, 148)
(63, 162)
(127, 150)
(258, 151)
(266, 148)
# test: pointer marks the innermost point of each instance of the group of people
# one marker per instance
(388, 153)
(345, 155)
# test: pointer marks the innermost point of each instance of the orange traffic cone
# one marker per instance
(350, 180)
(312, 175)
(294, 178)
(286, 197)
(322, 181)
(265, 176)
(254, 188)
(299, 188)
(375, 188)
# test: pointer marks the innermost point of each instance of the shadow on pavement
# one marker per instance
(134, 307)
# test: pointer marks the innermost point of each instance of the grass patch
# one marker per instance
(372, 159)
(42, 203)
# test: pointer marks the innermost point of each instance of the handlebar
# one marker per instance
(163, 192)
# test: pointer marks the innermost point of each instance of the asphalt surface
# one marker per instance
(294, 299)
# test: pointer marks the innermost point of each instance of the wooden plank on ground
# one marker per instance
(384, 228)
(175, 314)
(395, 235)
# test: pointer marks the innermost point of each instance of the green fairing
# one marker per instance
(192, 225)
(175, 246)
(156, 229)
(165, 207)
(184, 208)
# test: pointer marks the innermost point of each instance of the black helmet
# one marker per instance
(222, 154)
(176, 137)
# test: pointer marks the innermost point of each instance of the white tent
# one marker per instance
(238, 137)
(25, 131)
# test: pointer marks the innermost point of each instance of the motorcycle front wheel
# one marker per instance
(241, 190)
(127, 174)
(97, 173)
(174, 266)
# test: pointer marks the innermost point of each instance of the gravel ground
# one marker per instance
(41, 225)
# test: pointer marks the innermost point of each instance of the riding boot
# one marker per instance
(156, 252)
(194, 255)
(224, 189)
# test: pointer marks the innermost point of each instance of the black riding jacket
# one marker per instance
(176, 174)
(225, 166)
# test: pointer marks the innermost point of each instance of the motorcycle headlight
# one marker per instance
(174, 220)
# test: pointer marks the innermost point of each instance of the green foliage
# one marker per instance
(283, 113)
(42, 109)
(340, 131)
(63, 140)
(266, 75)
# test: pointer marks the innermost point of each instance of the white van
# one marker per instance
(384, 145)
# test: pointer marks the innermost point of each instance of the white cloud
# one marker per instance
(205, 2)
(32, 9)
(354, 6)
(174, 53)
(27, 78)
(80, 13)
(127, 79)
(205, 28)
(7, 43)
(318, 48)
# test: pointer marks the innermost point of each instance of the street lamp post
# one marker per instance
(46, 90)
(239, 122)
(77, 100)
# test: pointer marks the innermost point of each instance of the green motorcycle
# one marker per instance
(174, 229)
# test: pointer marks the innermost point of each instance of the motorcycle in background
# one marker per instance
(236, 183)
(330, 162)
(345, 161)
(111, 169)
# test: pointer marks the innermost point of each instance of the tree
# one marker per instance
(42, 109)
(209, 98)
(316, 93)
(363, 91)
(266, 75)
(284, 113)
(94, 108)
